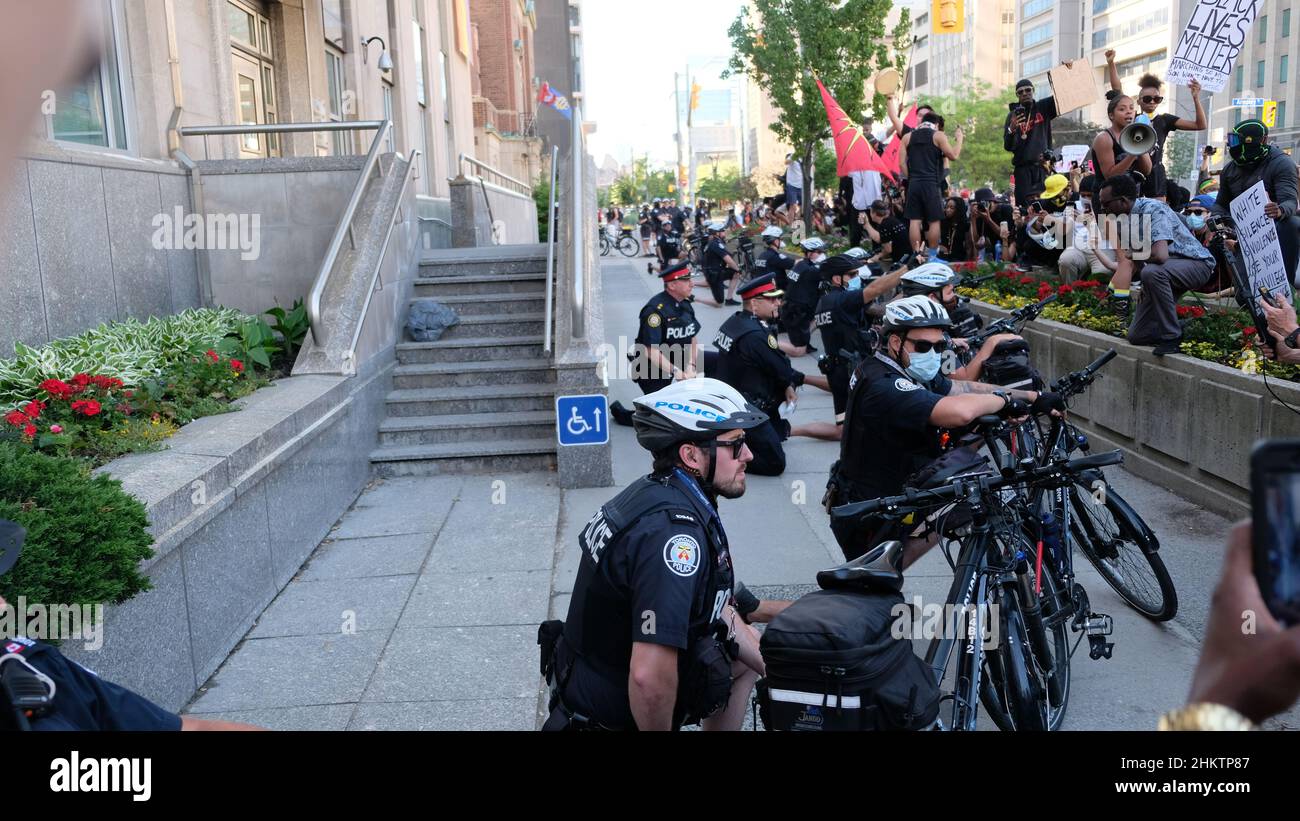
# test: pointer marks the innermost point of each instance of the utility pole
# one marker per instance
(677, 118)
(690, 158)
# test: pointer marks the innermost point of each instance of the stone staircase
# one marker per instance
(482, 398)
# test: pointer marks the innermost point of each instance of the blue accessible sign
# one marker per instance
(582, 420)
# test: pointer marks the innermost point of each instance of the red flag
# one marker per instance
(911, 119)
(852, 151)
(891, 159)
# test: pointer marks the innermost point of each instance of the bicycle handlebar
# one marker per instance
(913, 500)
(1074, 383)
(1008, 324)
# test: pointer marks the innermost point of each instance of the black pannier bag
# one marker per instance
(833, 664)
(1009, 367)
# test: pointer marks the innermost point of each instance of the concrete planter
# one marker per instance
(236, 504)
(1186, 424)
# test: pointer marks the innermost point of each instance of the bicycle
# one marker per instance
(1024, 679)
(628, 245)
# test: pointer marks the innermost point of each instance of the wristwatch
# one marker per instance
(1293, 339)
(1205, 717)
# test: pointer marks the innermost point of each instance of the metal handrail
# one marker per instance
(344, 226)
(520, 186)
(550, 250)
(350, 357)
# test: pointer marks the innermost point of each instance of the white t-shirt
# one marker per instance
(866, 188)
(794, 175)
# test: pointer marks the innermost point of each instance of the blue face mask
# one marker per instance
(1196, 222)
(925, 366)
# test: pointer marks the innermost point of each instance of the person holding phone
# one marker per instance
(1027, 134)
(1284, 330)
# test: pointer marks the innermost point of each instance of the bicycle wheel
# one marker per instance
(1123, 549)
(604, 245)
(628, 246)
(1054, 602)
(1022, 697)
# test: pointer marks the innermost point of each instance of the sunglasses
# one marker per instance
(925, 346)
(1156, 100)
(1195, 212)
(735, 445)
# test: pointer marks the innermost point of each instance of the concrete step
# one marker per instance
(470, 427)
(470, 374)
(499, 325)
(470, 349)
(457, 284)
(513, 265)
(504, 456)
(483, 304)
(479, 399)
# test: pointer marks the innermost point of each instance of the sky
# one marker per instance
(632, 51)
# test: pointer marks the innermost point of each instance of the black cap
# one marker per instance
(681, 270)
(760, 286)
(839, 265)
(1024, 84)
(984, 195)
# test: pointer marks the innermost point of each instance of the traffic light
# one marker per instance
(695, 96)
(1270, 113)
(947, 17)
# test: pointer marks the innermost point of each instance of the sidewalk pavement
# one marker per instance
(420, 610)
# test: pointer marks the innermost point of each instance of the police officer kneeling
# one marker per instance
(666, 349)
(42, 690)
(899, 405)
(648, 640)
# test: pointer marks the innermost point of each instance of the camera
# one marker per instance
(1051, 156)
(1210, 151)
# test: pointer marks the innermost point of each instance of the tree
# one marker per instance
(725, 183)
(825, 168)
(783, 45)
(642, 185)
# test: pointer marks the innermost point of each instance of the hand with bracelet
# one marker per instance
(1283, 328)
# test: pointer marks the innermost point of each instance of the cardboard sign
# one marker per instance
(1073, 87)
(1072, 153)
(1257, 239)
(1209, 46)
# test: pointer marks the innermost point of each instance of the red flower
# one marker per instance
(212, 357)
(57, 389)
(124, 409)
(1248, 331)
(87, 407)
(16, 418)
(1087, 283)
(129, 394)
(237, 365)
(1026, 280)
(1064, 289)
(80, 381)
(34, 409)
(29, 431)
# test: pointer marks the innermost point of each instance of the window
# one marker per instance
(1286, 22)
(1259, 75)
(1034, 7)
(1281, 115)
(332, 16)
(388, 111)
(337, 96)
(1241, 79)
(446, 97)
(1283, 68)
(1263, 28)
(1034, 65)
(923, 41)
(1036, 35)
(252, 62)
(1099, 6)
(419, 64)
(1103, 37)
(922, 73)
(93, 112)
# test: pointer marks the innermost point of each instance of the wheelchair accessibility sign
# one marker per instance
(582, 420)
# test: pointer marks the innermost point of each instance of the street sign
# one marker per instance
(581, 420)
(1247, 102)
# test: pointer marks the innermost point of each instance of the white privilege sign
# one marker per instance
(1257, 238)
(1209, 47)
(1072, 153)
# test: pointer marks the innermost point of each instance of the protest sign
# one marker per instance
(1069, 154)
(1073, 87)
(1210, 45)
(1257, 240)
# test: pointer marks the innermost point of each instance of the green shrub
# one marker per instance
(85, 536)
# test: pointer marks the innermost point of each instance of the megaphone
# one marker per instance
(1138, 138)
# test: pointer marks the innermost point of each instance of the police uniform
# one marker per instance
(669, 325)
(83, 700)
(775, 262)
(655, 567)
(887, 437)
(804, 280)
(670, 243)
(750, 361)
(716, 272)
(841, 318)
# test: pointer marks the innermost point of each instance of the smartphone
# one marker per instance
(11, 544)
(1275, 498)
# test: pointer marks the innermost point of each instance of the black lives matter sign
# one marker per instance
(1209, 47)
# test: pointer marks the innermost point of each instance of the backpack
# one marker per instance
(1009, 367)
(834, 664)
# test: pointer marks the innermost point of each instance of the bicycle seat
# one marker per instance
(879, 569)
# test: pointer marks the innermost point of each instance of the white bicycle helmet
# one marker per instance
(928, 279)
(772, 232)
(813, 244)
(691, 410)
(856, 252)
(716, 226)
(915, 312)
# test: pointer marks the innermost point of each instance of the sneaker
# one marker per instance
(621, 415)
(1167, 347)
(812, 348)
(731, 302)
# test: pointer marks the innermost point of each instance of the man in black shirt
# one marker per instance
(773, 260)
(924, 150)
(1028, 133)
(889, 233)
(666, 349)
(1252, 160)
